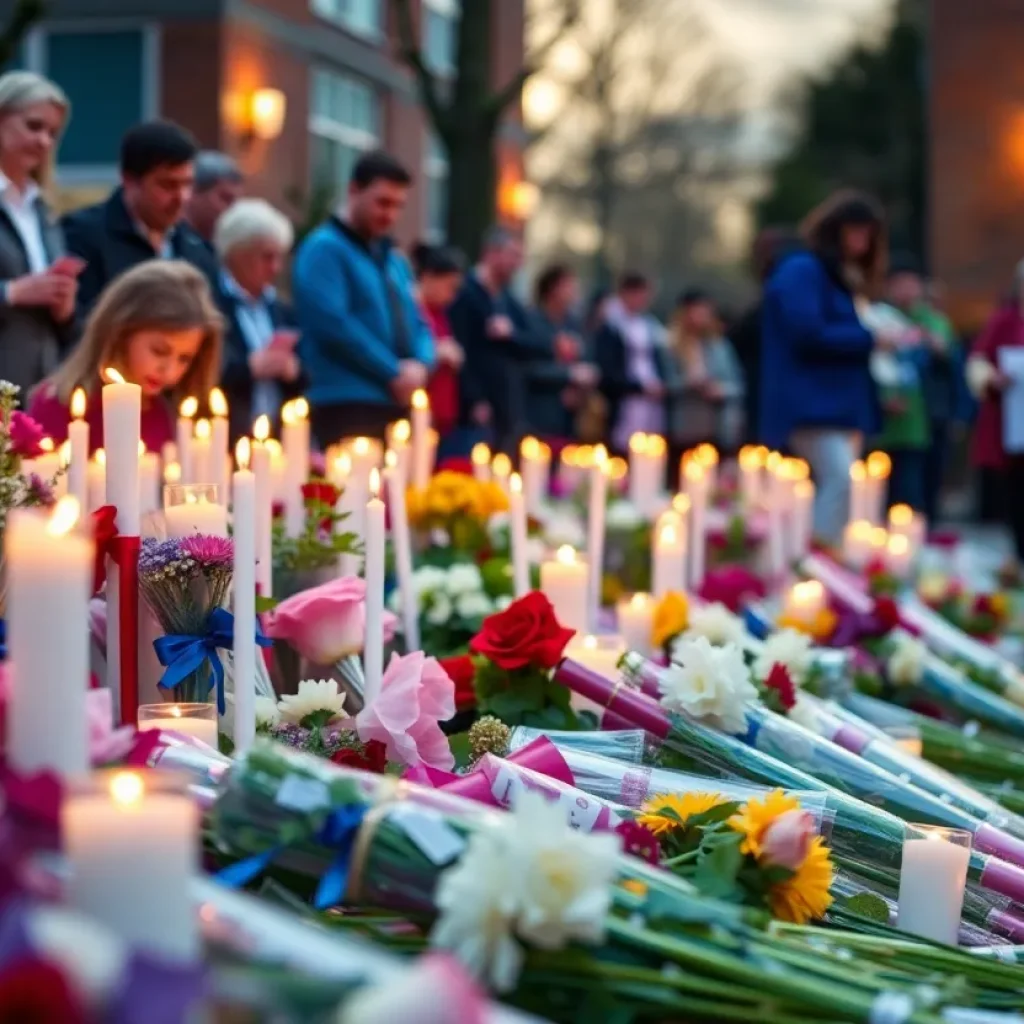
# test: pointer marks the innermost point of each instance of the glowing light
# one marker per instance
(64, 516)
(78, 403)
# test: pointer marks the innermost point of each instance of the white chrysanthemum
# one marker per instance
(906, 663)
(315, 697)
(622, 515)
(440, 610)
(92, 957)
(428, 578)
(708, 683)
(564, 529)
(788, 648)
(267, 714)
(464, 578)
(474, 606)
(716, 624)
(806, 714)
(498, 525)
(501, 603)
(536, 550)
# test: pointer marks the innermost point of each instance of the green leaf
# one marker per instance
(867, 904)
(265, 604)
(716, 873)
(460, 748)
(715, 815)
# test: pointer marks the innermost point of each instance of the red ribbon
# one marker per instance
(104, 531)
(124, 552)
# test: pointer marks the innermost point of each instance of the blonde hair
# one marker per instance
(22, 89)
(250, 220)
(158, 295)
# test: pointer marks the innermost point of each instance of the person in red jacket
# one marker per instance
(439, 274)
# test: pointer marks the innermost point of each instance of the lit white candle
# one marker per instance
(642, 483)
(501, 470)
(113, 834)
(480, 456)
(243, 521)
(422, 463)
(858, 492)
(295, 444)
(898, 555)
(933, 876)
(668, 556)
(535, 469)
(78, 438)
(196, 512)
(373, 653)
(564, 580)
(879, 468)
(196, 720)
(517, 522)
(775, 495)
(261, 471)
(804, 602)
(96, 480)
(600, 654)
(122, 422)
(802, 518)
(596, 531)
(200, 454)
(706, 455)
(47, 464)
(402, 541)
(635, 619)
(750, 466)
(569, 468)
(49, 573)
(172, 472)
(857, 543)
(697, 483)
(903, 519)
(351, 505)
(220, 457)
(149, 480)
(183, 433)
(399, 441)
(278, 471)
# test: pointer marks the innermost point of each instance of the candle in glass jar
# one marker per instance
(131, 840)
(78, 437)
(635, 619)
(193, 509)
(196, 720)
(564, 581)
(373, 653)
(122, 423)
(933, 876)
(422, 463)
(480, 456)
(184, 429)
(49, 569)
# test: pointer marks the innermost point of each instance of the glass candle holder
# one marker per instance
(196, 720)
(932, 880)
(194, 508)
(131, 838)
(907, 738)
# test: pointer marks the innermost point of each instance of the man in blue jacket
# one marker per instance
(365, 345)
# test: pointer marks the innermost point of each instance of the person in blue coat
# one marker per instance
(365, 344)
(818, 398)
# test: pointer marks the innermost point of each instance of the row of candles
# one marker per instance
(894, 546)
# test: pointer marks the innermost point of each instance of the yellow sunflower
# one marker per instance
(1000, 604)
(685, 805)
(807, 895)
(755, 816)
(671, 617)
(821, 628)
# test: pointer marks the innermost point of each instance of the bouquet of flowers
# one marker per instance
(457, 504)
(320, 543)
(983, 616)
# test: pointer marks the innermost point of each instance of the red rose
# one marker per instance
(461, 671)
(322, 492)
(36, 992)
(373, 758)
(887, 613)
(781, 682)
(526, 633)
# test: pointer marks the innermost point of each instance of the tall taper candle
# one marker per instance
(183, 434)
(243, 493)
(399, 441)
(49, 572)
(122, 423)
(351, 504)
(295, 442)
(697, 488)
(403, 550)
(150, 487)
(220, 456)
(78, 438)
(200, 454)
(595, 533)
(260, 459)
(420, 417)
(373, 655)
(517, 524)
(480, 456)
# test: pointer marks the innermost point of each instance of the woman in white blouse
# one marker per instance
(37, 280)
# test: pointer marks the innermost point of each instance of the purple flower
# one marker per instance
(209, 552)
(157, 555)
(39, 491)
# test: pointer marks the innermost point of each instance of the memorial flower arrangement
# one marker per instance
(457, 504)
(321, 542)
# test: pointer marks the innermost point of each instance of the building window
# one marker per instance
(345, 122)
(440, 22)
(435, 171)
(365, 17)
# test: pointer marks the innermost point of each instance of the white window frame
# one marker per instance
(327, 127)
(71, 175)
(375, 35)
(435, 168)
(451, 11)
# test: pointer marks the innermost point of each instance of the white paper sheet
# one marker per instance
(1011, 362)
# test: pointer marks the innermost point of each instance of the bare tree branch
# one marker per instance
(411, 53)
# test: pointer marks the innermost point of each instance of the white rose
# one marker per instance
(428, 578)
(906, 663)
(463, 579)
(715, 623)
(440, 610)
(790, 649)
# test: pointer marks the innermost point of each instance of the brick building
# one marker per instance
(209, 64)
(976, 130)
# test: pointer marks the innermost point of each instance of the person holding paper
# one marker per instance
(38, 282)
(261, 369)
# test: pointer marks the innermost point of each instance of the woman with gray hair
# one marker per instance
(261, 368)
(37, 281)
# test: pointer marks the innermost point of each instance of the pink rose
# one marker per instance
(25, 435)
(787, 840)
(416, 694)
(106, 744)
(326, 623)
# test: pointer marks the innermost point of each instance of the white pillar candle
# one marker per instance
(183, 434)
(200, 454)
(706, 455)
(517, 525)
(569, 469)
(858, 491)
(668, 554)
(802, 518)
(49, 575)
(804, 602)
(932, 880)
(402, 541)
(78, 438)
(879, 468)
(480, 456)
(196, 720)
(149, 481)
(601, 654)
(261, 471)
(422, 463)
(598, 500)
(635, 622)
(373, 653)
(535, 469)
(295, 445)
(194, 510)
(278, 471)
(243, 521)
(122, 423)
(750, 467)
(697, 483)
(220, 457)
(501, 470)
(903, 519)
(775, 495)
(564, 581)
(399, 441)
(644, 483)
(47, 464)
(132, 847)
(96, 480)
(856, 543)
(898, 555)
(351, 504)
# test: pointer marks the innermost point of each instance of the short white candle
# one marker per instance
(196, 513)
(261, 471)
(196, 720)
(47, 464)
(501, 470)
(183, 434)
(597, 504)
(564, 580)
(373, 653)
(932, 880)
(78, 438)
(480, 456)
(668, 554)
(635, 622)
(898, 555)
(804, 602)
(517, 526)
(295, 445)
(402, 540)
(122, 423)
(220, 457)
(422, 461)
(96, 480)
(535, 469)
(49, 573)
(149, 481)
(879, 468)
(243, 521)
(133, 852)
(600, 654)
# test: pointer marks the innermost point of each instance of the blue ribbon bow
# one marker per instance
(3, 639)
(183, 655)
(338, 832)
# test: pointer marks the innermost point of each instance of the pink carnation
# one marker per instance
(26, 435)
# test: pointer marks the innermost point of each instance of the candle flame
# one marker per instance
(706, 455)
(480, 455)
(390, 459)
(261, 428)
(127, 788)
(515, 483)
(570, 455)
(401, 432)
(243, 452)
(63, 517)
(288, 416)
(899, 544)
(878, 537)
(203, 430)
(590, 642)
(46, 444)
(218, 403)
(420, 400)
(361, 446)
(879, 465)
(808, 592)
(374, 482)
(638, 444)
(142, 447)
(618, 467)
(694, 471)
(301, 408)
(78, 403)
(530, 448)
(681, 504)
(172, 473)
(65, 454)
(640, 600)
(858, 471)
(189, 407)
(274, 447)
(502, 464)
(668, 533)
(566, 555)
(100, 457)
(111, 376)
(343, 464)
(601, 458)
(772, 462)
(901, 515)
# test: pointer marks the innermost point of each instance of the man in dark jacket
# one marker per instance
(142, 219)
(493, 328)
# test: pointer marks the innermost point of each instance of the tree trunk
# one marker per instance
(472, 184)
